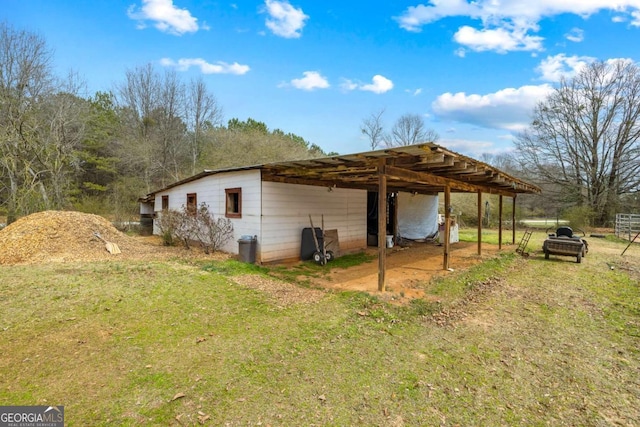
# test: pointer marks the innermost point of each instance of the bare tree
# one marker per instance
(583, 140)
(64, 115)
(40, 125)
(202, 112)
(25, 75)
(171, 130)
(372, 127)
(153, 112)
(137, 98)
(410, 129)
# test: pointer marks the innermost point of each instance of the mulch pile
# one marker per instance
(61, 236)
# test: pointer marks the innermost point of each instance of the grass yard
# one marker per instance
(513, 341)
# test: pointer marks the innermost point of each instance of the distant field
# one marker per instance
(543, 222)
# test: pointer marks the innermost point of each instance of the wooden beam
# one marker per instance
(447, 227)
(427, 178)
(479, 222)
(382, 223)
(500, 222)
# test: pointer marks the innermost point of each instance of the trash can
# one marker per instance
(247, 249)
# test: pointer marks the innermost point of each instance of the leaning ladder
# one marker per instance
(523, 243)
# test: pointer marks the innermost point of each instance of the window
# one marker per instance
(192, 203)
(165, 203)
(234, 203)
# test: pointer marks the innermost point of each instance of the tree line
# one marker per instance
(60, 150)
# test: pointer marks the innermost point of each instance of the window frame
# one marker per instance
(192, 203)
(165, 202)
(228, 193)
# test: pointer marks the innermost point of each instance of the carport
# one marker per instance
(425, 168)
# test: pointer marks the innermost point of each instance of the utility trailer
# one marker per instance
(565, 243)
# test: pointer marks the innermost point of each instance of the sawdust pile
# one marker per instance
(61, 236)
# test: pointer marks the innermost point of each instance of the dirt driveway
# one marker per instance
(407, 268)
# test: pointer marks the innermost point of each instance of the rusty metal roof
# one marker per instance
(423, 168)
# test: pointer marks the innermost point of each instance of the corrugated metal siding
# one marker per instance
(286, 209)
(211, 190)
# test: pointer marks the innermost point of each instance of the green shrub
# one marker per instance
(579, 216)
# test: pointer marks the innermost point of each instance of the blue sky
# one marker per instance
(473, 70)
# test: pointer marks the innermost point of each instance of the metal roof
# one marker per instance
(423, 168)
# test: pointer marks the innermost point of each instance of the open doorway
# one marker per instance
(372, 216)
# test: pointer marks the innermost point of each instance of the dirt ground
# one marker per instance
(407, 268)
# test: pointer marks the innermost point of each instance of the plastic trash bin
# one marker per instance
(247, 248)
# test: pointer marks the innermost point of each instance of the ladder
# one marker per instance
(523, 243)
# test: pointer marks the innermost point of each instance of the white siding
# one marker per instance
(277, 212)
(286, 209)
(211, 190)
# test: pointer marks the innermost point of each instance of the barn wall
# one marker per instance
(277, 212)
(286, 209)
(211, 190)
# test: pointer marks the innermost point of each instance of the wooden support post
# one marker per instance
(479, 222)
(500, 222)
(513, 221)
(382, 223)
(395, 216)
(447, 226)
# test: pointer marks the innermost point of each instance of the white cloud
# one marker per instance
(284, 20)
(165, 15)
(508, 109)
(417, 16)
(554, 68)
(312, 80)
(219, 67)
(414, 92)
(379, 84)
(576, 35)
(348, 85)
(471, 147)
(461, 52)
(501, 40)
(509, 24)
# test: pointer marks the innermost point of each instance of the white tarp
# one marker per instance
(417, 215)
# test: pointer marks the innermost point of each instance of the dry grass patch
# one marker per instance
(281, 293)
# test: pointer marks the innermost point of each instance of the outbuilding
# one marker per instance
(273, 201)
